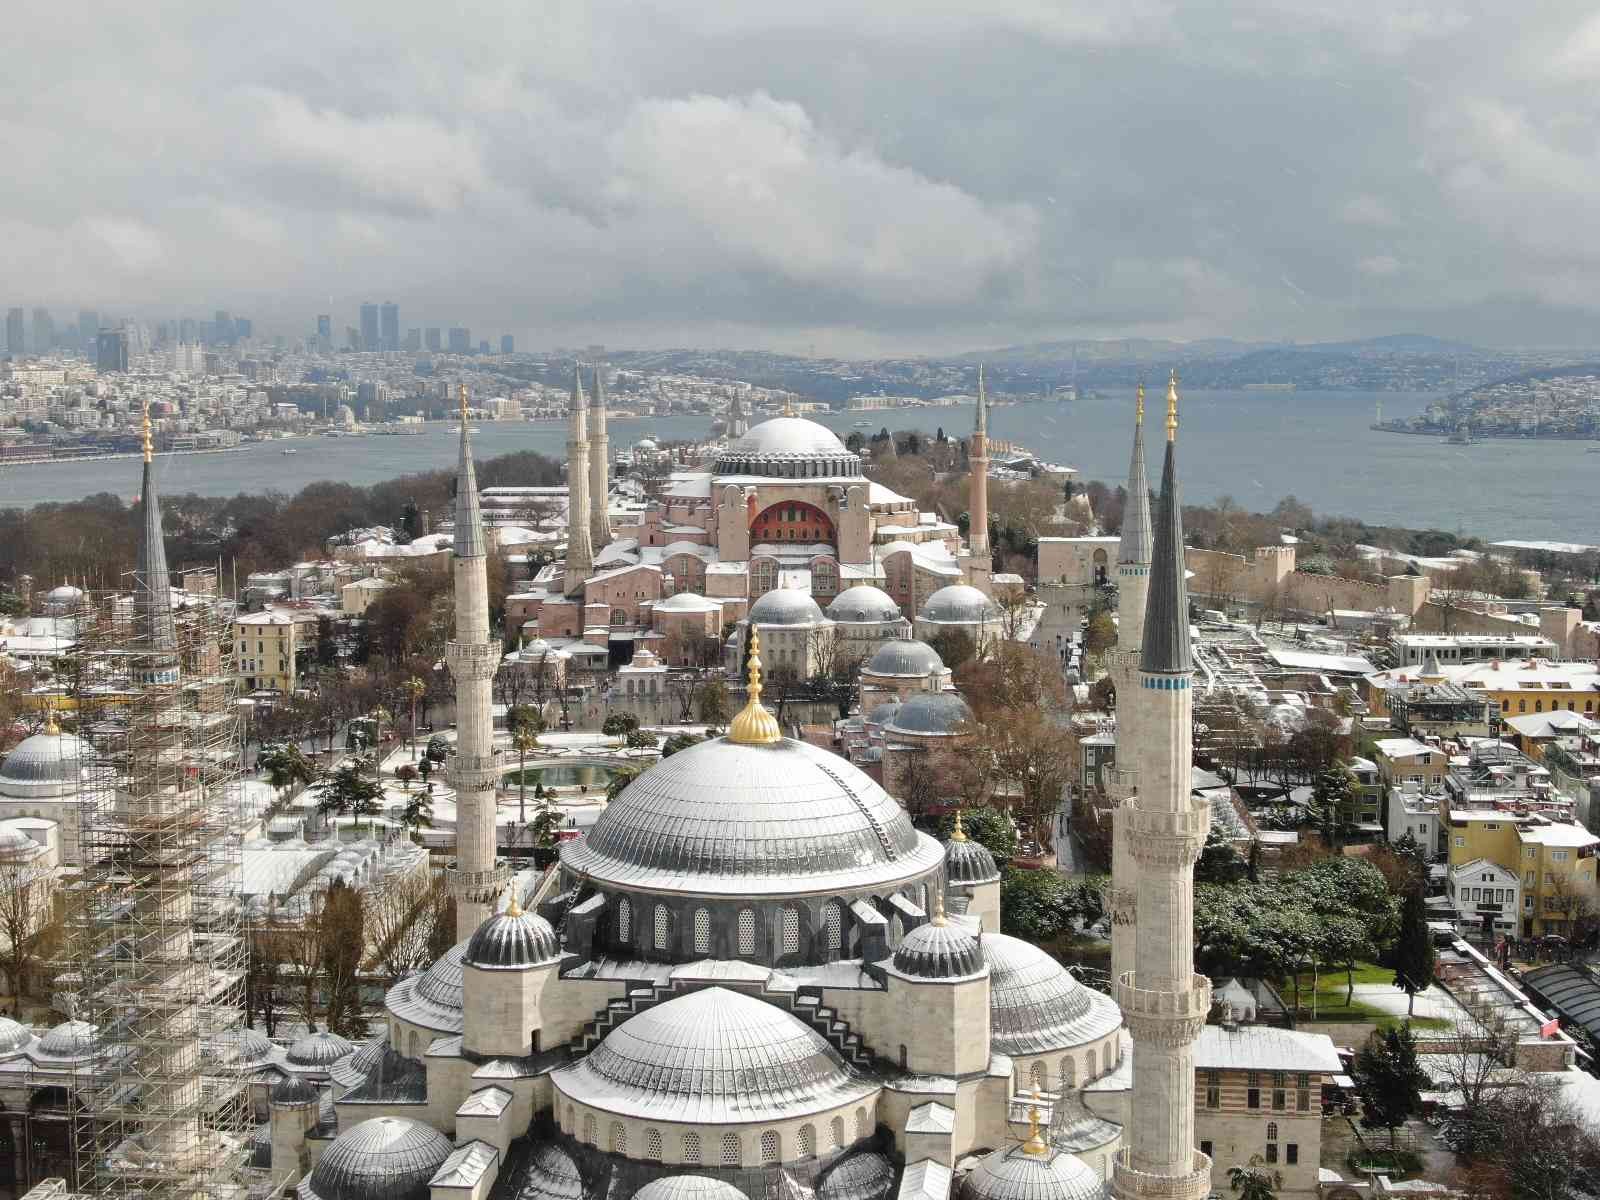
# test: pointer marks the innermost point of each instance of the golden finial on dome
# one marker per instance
(788, 406)
(50, 725)
(755, 726)
(1138, 410)
(1035, 1143)
(513, 909)
(148, 446)
(1172, 406)
(958, 834)
(938, 917)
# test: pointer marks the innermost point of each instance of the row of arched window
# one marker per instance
(1067, 1074)
(730, 1147)
(663, 920)
(813, 468)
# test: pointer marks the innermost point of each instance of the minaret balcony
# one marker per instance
(1162, 1017)
(1158, 838)
(483, 887)
(1121, 782)
(474, 772)
(1122, 905)
(470, 661)
(1127, 1183)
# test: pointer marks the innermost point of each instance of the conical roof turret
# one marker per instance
(1135, 546)
(1166, 614)
(577, 424)
(469, 540)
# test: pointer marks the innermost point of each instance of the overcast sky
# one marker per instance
(858, 175)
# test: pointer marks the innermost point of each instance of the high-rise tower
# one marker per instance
(473, 658)
(1163, 1001)
(580, 549)
(599, 464)
(1133, 580)
(981, 563)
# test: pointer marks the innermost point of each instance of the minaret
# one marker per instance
(1133, 579)
(473, 658)
(580, 550)
(1163, 1001)
(599, 464)
(152, 600)
(980, 560)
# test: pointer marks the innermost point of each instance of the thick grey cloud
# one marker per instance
(914, 174)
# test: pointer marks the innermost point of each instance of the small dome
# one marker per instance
(383, 1158)
(319, 1048)
(686, 602)
(865, 1175)
(786, 606)
(70, 1039)
(884, 714)
(512, 939)
(688, 1187)
(864, 603)
(1015, 1174)
(904, 657)
(65, 594)
(966, 861)
(713, 1055)
(15, 844)
(1035, 1006)
(959, 603)
(551, 1175)
(240, 1046)
(292, 1092)
(931, 712)
(14, 1036)
(46, 764)
(432, 999)
(353, 1071)
(935, 951)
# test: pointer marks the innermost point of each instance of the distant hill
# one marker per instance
(1393, 343)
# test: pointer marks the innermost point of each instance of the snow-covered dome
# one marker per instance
(512, 939)
(686, 602)
(16, 846)
(789, 448)
(433, 999)
(320, 1048)
(688, 1187)
(786, 606)
(14, 1036)
(44, 765)
(1017, 1173)
(959, 603)
(967, 861)
(1035, 1006)
(884, 714)
(70, 1039)
(864, 1175)
(936, 950)
(904, 656)
(788, 435)
(712, 1055)
(383, 1158)
(864, 603)
(930, 712)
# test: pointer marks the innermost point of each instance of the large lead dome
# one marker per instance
(790, 448)
(723, 818)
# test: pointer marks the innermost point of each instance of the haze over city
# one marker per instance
(925, 177)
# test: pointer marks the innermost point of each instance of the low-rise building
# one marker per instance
(1402, 760)
(1486, 896)
(265, 645)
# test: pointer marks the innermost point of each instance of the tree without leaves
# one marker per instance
(29, 921)
(400, 920)
(342, 946)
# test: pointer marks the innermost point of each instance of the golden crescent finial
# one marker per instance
(513, 909)
(788, 406)
(149, 446)
(1172, 406)
(958, 834)
(938, 917)
(754, 726)
(1138, 411)
(50, 725)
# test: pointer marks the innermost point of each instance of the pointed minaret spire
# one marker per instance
(978, 499)
(469, 519)
(152, 601)
(599, 464)
(981, 420)
(1166, 618)
(580, 547)
(1135, 544)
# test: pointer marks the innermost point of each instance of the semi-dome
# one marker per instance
(320, 1048)
(1035, 1006)
(1018, 1173)
(931, 712)
(512, 939)
(713, 1056)
(936, 950)
(904, 657)
(551, 1174)
(46, 764)
(864, 603)
(959, 603)
(383, 1158)
(14, 1036)
(433, 999)
(725, 818)
(865, 1175)
(686, 602)
(352, 1072)
(689, 1187)
(786, 606)
(967, 861)
(70, 1039)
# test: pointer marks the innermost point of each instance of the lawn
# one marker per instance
(1327, 1003)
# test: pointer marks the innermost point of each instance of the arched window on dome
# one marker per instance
(730, 1150)
(702, 931)
(691, 1148)
(791, 931)
(747, 932)
(588, 1129)
(572, 1121)
(807, 1140)
(624, 921)
(836, 1132)
(833, 925)
(619, 1138)
(770, 1146)
(1089, 1069)
(1069, 1073)
(652, 1144)
(1036, 1079)
(663, 927)
(863, 1127)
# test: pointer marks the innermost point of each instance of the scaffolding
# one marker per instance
(159, 951)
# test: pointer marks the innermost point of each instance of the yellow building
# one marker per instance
(1513, 688)
(265, 645)
(355, 598)
(1555, 860)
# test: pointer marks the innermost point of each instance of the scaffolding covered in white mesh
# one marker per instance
(158, 944)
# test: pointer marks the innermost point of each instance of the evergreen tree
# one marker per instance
(1254, 1181)
(1413, 947)
(1389, 1080)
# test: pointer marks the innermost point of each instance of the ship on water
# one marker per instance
(1269, 387)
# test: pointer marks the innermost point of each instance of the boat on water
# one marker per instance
(290, 450)
(1461, 437)
(861, 425)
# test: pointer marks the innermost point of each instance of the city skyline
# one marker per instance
(899, 180)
